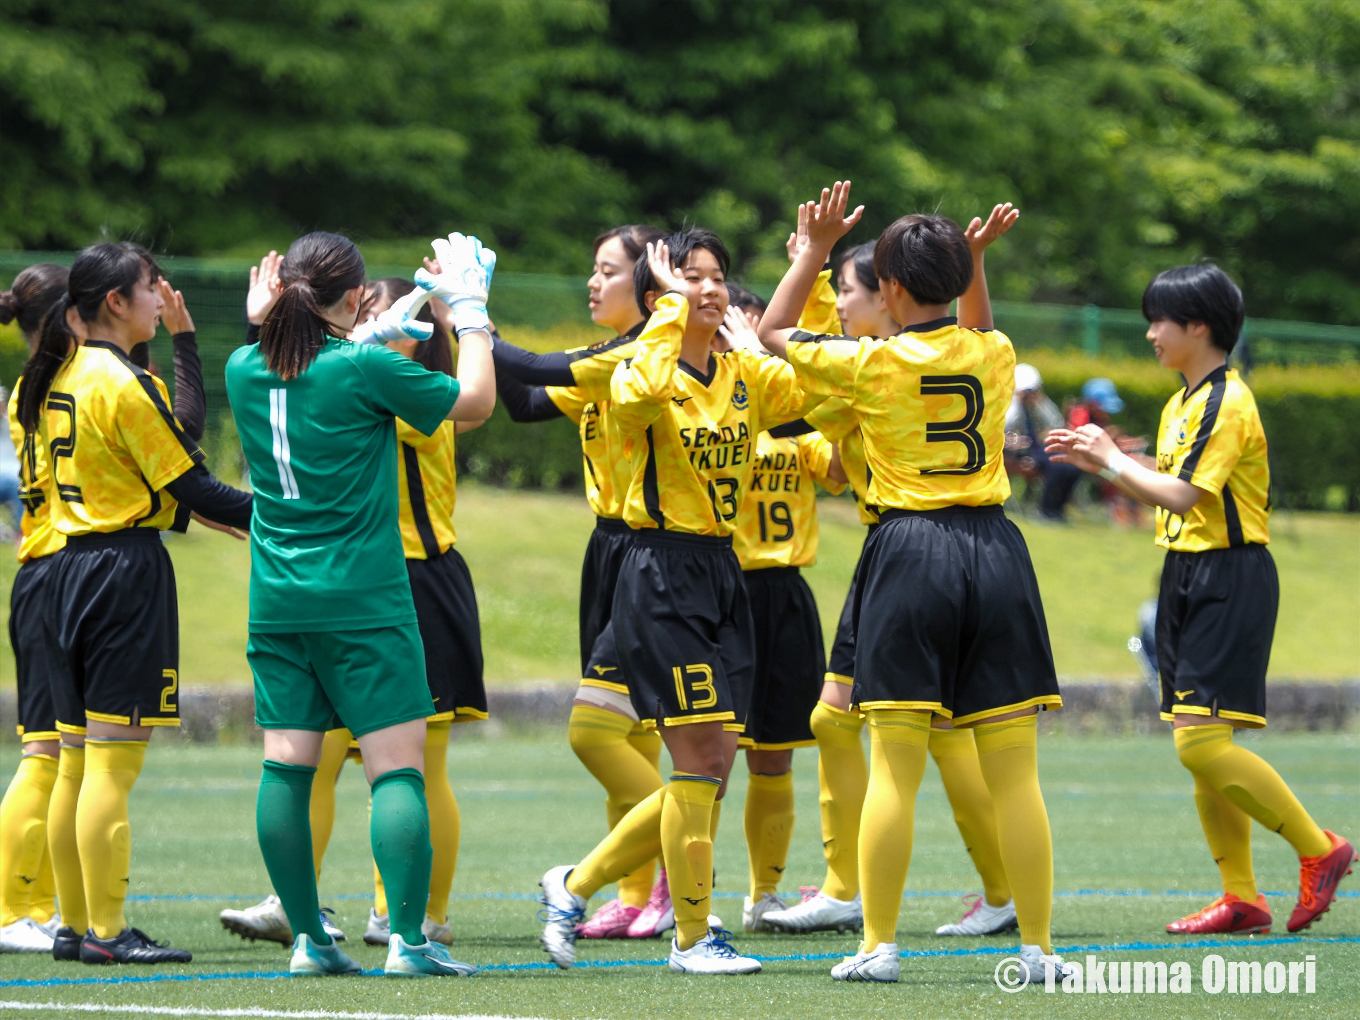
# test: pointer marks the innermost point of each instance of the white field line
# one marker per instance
(284, 1014)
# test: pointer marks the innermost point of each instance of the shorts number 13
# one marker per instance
(700, 693)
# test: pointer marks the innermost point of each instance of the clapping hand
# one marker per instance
(737, 330)
(264, 288)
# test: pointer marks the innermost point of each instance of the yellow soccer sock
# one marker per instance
(445, 821)
(897, 761)
(61, 838)
(102, 830)
(42, 903)
(1227, 829)
(623, 758)
(713, 823)
(955, 752)
(842, 779)
(629, 845)
(1250, 784)
(769, 830)
(1009, 755)
(334, 747)
(686, 823)
(23, 833)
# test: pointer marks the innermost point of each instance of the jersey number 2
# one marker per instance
(964, 430)
(278, 425)
(64, 446)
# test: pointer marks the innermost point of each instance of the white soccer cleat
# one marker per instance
(562, 911)
(266, 920)
(1034, 960)
(25, 936)
(982, 919)
(50, 925)
(378, 930)
(753, 914)
(817, 912)
(311, 960)
(329, 926)
(712, 954)
(436, 932)
(427, 960)
(881, 965)
(714, 923)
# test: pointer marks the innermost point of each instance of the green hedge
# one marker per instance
(536, 455)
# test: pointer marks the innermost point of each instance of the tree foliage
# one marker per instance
(1135, 134)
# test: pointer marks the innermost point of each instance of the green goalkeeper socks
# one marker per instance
(284, 828)
(400, 833)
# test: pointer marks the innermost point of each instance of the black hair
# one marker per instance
(97, 271)
(746, 300)
(32, 293)
(633, 237)
(1200, 293)
(436, 353)
(317, 271)
(682, 244)
(861, 259)
(928, 255)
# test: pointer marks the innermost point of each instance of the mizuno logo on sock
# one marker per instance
(26, 880)
(777, 871)
(694, 903)
(680, 401)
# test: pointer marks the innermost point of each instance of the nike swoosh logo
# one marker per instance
(602, 670)
(1181, 695)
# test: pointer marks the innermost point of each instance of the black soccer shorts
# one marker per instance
(450, 630)
(599, 577)
(841, 667)
(30, 607)
(790, 660)
(1215, 623)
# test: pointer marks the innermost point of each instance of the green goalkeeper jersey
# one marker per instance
(326, 550)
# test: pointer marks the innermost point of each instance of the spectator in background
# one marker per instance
(1099, 401)
(1030, 416)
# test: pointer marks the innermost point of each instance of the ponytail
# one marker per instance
(30, 296)
(97, 271)
(317, 271)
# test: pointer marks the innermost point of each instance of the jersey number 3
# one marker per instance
(278, 425)
(964, 430)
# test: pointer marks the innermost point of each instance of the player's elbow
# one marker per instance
(1184, 498)
(476, 401)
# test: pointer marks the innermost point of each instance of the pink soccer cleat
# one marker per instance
(611, 921)
(658, 915)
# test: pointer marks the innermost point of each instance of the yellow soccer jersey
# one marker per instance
(603, 457)
(777, 525)
(1213, 439)
(693, 437)
(836, 420)
(40, 538)
(819, 311)
(427, 483)
(113, 444)
(931, 404)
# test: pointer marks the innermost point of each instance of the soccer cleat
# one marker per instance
(753, 914)
(378, 930)
(658, 915)
(1318, 879)
(329, 926)
(611, 921)
(562, 911)
(982, 919)
(712, 954)
(266, 920)
(311, 960)
(436, 932)
(25, 936)
(817, 912)
(1034, 960)
(1227, 915)
(714, 923)
(131, 945)
(880, 965)
(50, 925)
(429, 959)
(66, 944)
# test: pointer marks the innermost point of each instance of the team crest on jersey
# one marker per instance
(739, 397)
(1180, 435)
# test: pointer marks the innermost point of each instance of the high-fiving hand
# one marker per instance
(826, 219)
(264, 288)
(464, 281)
(980, 234)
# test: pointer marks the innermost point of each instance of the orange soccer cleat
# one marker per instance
(1227, 915)
(1318, 879)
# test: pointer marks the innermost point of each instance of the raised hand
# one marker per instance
(464, 280)
(737, 330)
(980, 235)
(174, 316)
(798, 240)
(392, 325)
(659, 262)
(264, 288)
(827, 222)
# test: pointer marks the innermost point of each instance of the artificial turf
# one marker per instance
(1128, 857)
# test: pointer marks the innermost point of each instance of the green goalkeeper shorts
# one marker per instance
(363, 680)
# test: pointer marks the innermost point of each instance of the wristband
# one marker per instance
(490, 337)
(1117, 464)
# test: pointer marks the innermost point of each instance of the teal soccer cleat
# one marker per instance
(429, 959)
(311, 960)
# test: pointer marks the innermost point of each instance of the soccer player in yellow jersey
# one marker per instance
(948, 619)
(121, 469)
(604, 731)
(1219, 595)
(681, 618)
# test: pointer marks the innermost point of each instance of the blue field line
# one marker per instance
(906, 954)
(910, 894)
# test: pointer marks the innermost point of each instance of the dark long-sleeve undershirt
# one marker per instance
(524, 402)
(198, 491)
(191, 405)
(534, 369)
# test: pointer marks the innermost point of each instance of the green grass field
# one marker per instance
(524, 550)
(1128, 851)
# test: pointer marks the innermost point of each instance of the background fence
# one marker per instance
(1312, 417)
